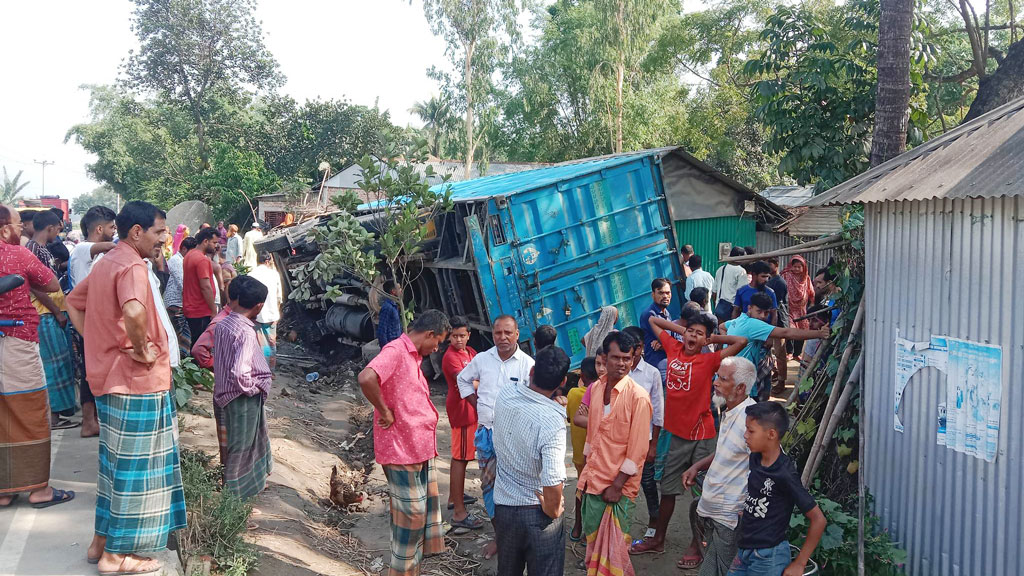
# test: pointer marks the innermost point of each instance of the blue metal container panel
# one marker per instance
(594, 239)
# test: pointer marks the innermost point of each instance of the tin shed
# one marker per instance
(944, 248)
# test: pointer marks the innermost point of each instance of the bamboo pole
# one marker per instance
(833, 397)
(837, 414)
(818, 354)
(861, 441)
(813, 246)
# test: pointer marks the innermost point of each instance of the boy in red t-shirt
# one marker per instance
(462, 418)
(687, 412)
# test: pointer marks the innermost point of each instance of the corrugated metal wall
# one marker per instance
(768, 241)
(954, 268)
(706, 233)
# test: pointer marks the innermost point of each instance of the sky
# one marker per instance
(360, 50)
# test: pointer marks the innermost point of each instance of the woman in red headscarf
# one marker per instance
(800, 290)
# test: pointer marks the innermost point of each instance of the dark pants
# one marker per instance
(528, 539)
(196, 327)
(650, 487)
(180, 326)
(78, 359)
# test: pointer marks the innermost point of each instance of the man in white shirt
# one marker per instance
(649, 378)
(266, 321)
(698, 278)
(728, 279)
(249, 245)
(98, 228)
(725, 486)
(480, 382)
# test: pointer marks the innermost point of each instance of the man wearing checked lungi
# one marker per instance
(139, 496)
(405, 440)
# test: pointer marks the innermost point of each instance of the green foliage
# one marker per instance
(12, 187)
(233, 175)
(405, 204)
(186, 378)
(836, 555)
(191, 51)
(100, 196)
(217, 519)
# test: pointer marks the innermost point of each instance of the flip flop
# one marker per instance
(65, 424)
(159, 568)
(690, 562)
(95, 560)
(470, 522)
(646, 547)
(59, 497)
(14, 499)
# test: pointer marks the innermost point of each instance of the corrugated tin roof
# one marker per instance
(981, 158)
(813, 221)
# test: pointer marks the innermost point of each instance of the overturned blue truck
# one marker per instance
(555, 244)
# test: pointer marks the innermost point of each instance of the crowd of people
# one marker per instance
(662, 406)
(99, 323)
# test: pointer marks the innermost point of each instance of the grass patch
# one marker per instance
(217, 519)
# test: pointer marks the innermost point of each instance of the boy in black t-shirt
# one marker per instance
(773, 488)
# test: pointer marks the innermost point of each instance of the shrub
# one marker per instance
(217, 519)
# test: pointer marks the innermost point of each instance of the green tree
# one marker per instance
(193, 50)
(234, 175)
(436, 114)
(12, 187)
(394, 234)
(628, 28)
(103, 195)
(470, 27)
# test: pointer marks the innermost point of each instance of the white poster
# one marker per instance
(974, 396)
(911, 357)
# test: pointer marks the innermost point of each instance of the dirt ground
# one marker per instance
(316, 427)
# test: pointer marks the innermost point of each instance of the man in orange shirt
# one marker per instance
(618, 437)
(198, 291)
(139, 495)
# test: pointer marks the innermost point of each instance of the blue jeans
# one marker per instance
(761, 561)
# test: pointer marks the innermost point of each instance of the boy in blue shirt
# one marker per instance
(755, 327)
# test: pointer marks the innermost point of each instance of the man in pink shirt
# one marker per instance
(139, 494)
(405, 440)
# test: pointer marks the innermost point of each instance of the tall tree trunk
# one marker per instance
(468, 80)
(204, 152)
(1003, 85)
(620, 72)
(893, 98)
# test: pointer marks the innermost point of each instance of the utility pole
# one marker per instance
(44, 164)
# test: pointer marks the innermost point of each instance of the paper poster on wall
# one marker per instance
(974, 395)
(911, 357)
(969, 419)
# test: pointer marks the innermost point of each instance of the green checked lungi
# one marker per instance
(415, 516)
(55, 352)
(245, 451)
(139, 495)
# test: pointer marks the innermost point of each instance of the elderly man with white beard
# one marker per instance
(725, 484)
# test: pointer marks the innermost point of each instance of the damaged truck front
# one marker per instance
(547, 246)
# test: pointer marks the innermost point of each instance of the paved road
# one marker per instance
(53, 541)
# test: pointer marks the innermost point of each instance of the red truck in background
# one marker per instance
(58, 202)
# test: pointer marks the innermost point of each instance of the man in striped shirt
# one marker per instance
(529, 444)
(725, 486)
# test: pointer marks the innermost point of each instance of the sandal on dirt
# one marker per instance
(646, 547)
(14, 498)
(139, 562)
(572, 534)
(59, 497)
(690, 562)
(65, 424)
(470, 522)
